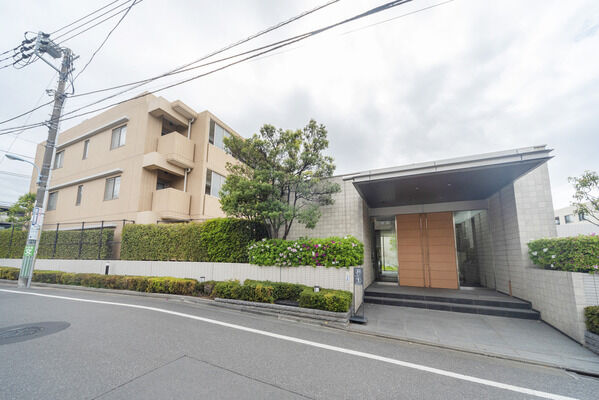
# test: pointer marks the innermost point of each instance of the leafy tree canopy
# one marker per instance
(284, 177)
(20, 212)
(586, 195)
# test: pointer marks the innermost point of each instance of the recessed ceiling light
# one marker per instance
(449, 184)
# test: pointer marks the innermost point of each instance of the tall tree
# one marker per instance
(20, 212)
(586, 196)
(283, 178)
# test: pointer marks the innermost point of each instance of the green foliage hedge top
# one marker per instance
(578, 254)
(330, 252)
(259, 291)
(591, 315)
(216, 240)
(67, 244)
(269, 292)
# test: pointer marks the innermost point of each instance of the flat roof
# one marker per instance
(474, 177)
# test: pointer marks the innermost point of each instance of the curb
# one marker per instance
(325, 318)
(347, 328)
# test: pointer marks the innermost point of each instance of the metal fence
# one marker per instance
(87, 240)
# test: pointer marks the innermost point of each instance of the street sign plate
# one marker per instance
(358, 276)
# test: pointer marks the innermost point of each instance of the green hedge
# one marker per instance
(269, 292)
(259, 291)
(216, 240)
(591, 315)
(188, 287)
(326, 299)
(579, 253)
(67, 244)
(330, 252)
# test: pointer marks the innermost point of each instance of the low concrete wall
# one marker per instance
(330, 278)
(561, 297)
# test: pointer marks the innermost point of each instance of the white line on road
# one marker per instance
(468, 378)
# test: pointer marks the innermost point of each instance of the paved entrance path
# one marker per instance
(499, 336)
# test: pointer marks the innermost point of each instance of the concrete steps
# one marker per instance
(497, 306)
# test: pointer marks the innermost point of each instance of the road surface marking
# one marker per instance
(442, 372)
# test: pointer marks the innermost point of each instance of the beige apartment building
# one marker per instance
(145, 160)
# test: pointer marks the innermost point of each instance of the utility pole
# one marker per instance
(43, 46)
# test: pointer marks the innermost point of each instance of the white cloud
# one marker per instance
(462, 78)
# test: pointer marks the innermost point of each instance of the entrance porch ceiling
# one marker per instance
(463, 179)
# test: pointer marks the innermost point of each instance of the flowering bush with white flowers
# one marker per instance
(578, 254)
(329, 252)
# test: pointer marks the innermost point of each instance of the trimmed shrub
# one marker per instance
(67, 244)
(258, 291)
(149, 284)
(269, 292)
(591, 317)
(216, 240)
(578, 254)
(9, 273)
(326, 299)
(330, 252)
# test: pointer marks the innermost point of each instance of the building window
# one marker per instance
(217, 134)
(214, 182)
(79, 194)
(160, 184)
(581, 217)
(58, 159)
(569, 218)
(557, 221)
(52, 199)
(85, 148)
(118, 137)
(111, 190)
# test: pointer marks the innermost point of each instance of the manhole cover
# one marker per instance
(21, 333)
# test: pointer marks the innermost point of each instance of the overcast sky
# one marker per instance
(462, 78)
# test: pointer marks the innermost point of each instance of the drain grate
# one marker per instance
(21, 333)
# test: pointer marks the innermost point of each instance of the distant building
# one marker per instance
(569, 223)
(146, 160)
(4, 206)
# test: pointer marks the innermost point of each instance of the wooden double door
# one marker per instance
(426, 250)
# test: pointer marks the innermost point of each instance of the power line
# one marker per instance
(228, 47)
(82, 18)
(94, 25)
(287, 42)
(133, 2)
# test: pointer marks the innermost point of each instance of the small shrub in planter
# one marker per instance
(326, 299)
(330, 252)
(591, 316)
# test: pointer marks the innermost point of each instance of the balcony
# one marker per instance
(171, 204)
(173, 154)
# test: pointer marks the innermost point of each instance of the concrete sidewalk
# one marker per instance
(511, 338)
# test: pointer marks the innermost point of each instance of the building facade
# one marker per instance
(447, 224)
(145, 160)
(569, 223)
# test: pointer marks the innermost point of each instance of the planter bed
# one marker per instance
(591, 341)
(339, 319)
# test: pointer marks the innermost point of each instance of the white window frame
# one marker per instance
(79, 195)
(85, 149)
(217, 134)
(214, 182)
(52, 201)
(118, 138)
(110, 193)
(59, 159)
(569, 219)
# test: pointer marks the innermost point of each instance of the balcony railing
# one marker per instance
(174, 153)
(171, 204)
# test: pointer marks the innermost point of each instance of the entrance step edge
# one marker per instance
(507, 303)
(463, 308)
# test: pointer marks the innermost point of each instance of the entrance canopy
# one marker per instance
(456, 179)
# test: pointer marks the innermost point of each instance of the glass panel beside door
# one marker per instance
(386, 248)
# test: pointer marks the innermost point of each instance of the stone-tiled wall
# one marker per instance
(347, 216)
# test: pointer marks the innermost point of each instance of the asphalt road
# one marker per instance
(131, 347)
